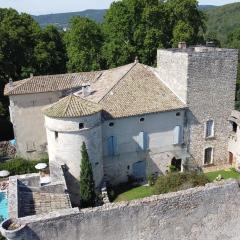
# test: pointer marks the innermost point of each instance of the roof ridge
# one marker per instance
(68, 103)
(134, 64)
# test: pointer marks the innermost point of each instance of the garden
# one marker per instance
(172, 182)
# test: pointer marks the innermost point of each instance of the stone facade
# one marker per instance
(204, 213)
(65, 148)
(28, 122)
(207, 80)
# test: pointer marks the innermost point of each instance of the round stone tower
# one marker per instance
(70, 122)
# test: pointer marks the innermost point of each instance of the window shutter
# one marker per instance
(145, 141)
(112, 146)
(177, 135)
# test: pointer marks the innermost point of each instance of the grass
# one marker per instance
(226, 174)
(134, 193)
(127, 192)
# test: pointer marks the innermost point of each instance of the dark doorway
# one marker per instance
(177, 163)
(230, 158)
(139, 170)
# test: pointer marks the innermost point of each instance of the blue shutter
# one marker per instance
(177, 133)
(114, 139)
(145, 141)
(112, 146)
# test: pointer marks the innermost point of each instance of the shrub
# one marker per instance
(18, 166)
(178, 181)
(152, 179)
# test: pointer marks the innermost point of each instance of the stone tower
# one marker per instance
(70, 122)
(205, 79)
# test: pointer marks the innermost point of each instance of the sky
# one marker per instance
(37, 7)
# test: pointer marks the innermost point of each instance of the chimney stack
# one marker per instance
(136, 60)
(182, 45)
(31, 75)
(86, 90)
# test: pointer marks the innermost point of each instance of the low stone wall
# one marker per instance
(210, 212)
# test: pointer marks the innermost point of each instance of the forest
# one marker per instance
(130, 28)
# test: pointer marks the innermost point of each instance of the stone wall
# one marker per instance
(204, 213)
(28, 122)
(206, 79)
(159, 129)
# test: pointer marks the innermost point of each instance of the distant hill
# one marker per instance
(223, 20)
(206, 7)
(62, 19)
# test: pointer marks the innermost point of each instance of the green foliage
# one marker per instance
(139, 27)
(18, 166)
(152, 179)
(172, 168)
(223, 20)
(84, 42)
(178, 181)
(87, 186)
(50, 52)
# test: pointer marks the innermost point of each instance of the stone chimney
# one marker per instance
(182, 45)
(136, 60)
(31, 75)
(86, 90)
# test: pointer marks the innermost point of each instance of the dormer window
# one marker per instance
(209, 129)
(81, 125)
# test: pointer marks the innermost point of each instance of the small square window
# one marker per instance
(178, 114)
(142, 119)
(81, 125)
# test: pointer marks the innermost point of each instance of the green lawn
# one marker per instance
(135, 193)
(127, 192)
(226, 174)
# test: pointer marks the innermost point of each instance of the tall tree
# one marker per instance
(50, 52)
(87, 186)
(83, 42)
(140, 27)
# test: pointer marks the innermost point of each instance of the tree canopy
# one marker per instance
(84, 41)
(138, 27)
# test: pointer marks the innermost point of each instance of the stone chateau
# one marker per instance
(136, 120)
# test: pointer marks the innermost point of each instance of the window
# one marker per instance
(209, 129)
(208, 156)
(178, 135)
(56, 135)
(142, 119)
(112, 146)
(234, 127)
(81, 125)
(143, 141)
(111, 124)
(178, 114)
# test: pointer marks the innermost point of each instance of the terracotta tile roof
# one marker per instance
(72, 106)
(133, 89)
(139, 92)
(51, 83)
